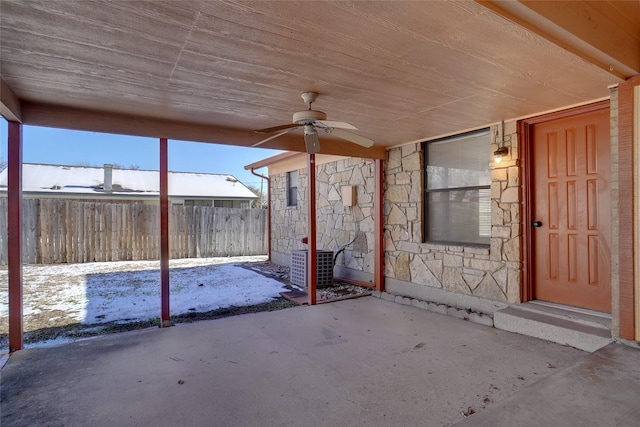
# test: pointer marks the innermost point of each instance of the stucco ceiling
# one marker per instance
(216, 70)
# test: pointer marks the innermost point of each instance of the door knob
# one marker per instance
(537, 224)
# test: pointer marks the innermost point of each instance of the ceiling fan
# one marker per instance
(312, 120)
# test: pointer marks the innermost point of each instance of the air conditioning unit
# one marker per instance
(324, 268)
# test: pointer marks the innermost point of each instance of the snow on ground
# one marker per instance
(130, 290)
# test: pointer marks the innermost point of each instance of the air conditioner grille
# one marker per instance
(324, 268)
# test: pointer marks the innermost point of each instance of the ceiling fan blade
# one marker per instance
(333, 124)
(276, 128)
(352, 137)
(270, 138)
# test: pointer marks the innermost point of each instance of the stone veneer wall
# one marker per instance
(337, 225)
(492, 272)
(288, 223)
(470, 276)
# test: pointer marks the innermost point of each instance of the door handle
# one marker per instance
(536, 224)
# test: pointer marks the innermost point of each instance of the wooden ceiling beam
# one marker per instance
(9, 103)
(100, 121)
(603, 33)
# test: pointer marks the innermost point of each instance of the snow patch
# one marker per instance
(130, 290)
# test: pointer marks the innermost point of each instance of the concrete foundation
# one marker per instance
(364, 361)
(580, 330)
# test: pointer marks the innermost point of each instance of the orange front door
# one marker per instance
(571, 213)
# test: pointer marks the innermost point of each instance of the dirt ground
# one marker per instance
(48, 321)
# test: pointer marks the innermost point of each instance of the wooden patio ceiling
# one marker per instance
(213, 71)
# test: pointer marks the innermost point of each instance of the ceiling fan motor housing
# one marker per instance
(307, 117)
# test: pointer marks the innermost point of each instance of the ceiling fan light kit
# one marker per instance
(311, 121)
(311, 141)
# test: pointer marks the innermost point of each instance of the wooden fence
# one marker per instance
(70, 231)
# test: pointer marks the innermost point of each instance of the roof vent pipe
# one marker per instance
(108, 177)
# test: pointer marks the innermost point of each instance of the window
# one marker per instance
(197, 202)
(237, 204)
(292, 188)
(458, 189)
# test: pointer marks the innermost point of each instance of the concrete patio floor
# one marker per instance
(356, 362)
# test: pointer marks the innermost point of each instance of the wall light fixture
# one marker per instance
(502, 150)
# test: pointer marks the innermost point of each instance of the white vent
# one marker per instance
(324, 268)
(108, 178)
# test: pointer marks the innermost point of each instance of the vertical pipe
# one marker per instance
(312, 259)
(378, 254)
(165, 315)
(266, 178)
(14, 202)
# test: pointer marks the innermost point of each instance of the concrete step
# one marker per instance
(581, 329)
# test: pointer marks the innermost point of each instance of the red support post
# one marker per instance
(312, 260)
(14, 207)
(378, 254)
(165, 315)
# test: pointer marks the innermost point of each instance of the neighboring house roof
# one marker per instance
(83, 180)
